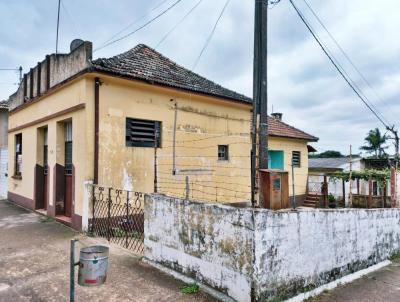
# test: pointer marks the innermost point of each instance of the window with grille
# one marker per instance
(223, 152)
(18, 155)
(143, 133)
(296, 156)
(68, 147)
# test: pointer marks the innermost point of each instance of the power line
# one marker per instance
(135, 21)
(177, 24)
(342, 73)
(211, 35)
(140, 27)
(74, 27)
(346, 56)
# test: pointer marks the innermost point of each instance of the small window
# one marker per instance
(18, 155)
(223, 153)
(296, 155)
(143, 133)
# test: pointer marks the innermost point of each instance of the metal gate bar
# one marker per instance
(118, 216)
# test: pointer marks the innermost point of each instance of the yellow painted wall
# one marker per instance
(70, 95)
(202, 124)
(288, 145)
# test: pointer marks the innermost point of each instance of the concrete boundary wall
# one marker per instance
(256, 255)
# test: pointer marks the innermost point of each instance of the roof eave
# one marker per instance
(151, 82)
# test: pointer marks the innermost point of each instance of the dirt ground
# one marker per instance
(34, 265)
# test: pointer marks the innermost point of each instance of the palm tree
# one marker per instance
(375, 143)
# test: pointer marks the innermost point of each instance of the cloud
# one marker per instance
(302, 83)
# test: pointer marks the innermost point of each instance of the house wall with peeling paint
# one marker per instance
(33, 118)
(202, 124)
(282, 253)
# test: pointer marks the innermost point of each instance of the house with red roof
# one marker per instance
(135, 123)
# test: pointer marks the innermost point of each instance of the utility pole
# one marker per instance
(58, 24)
(351, 181)
(260, 101)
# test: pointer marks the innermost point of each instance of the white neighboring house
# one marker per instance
(3, 148)
(320, 167)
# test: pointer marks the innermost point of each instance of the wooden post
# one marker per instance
(351, 183)
(344, 191)
(384, 193)
(358, 186)
(325, 191)
(369, 193)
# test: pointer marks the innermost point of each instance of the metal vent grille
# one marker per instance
(143, 133)
(296, 156)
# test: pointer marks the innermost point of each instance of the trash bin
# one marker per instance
(93, 264)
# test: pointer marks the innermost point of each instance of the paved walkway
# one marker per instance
(380, 286)
(34, 266)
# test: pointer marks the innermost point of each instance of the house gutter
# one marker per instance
(97, 84)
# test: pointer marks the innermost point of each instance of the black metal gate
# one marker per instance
(118, 216)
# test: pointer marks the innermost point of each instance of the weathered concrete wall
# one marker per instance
(280, 253)
(61, 67)
(211, 243)
(308, 248)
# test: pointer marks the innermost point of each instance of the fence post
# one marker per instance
(127, 219)
(93, 209)
(187, 187)
(109, 214)
(325, 192)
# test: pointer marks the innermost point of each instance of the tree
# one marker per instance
(375, 143)
(328, 154)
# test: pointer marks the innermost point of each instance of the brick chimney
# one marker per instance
(277, 116)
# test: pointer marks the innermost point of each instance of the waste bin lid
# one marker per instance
(95, 251)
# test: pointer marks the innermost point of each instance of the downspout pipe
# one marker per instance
(97, 84)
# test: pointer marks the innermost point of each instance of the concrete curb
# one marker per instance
(207, 289)
(338, 282)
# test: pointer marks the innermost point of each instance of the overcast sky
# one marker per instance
(302, 83)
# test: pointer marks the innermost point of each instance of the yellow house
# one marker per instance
(136, 121)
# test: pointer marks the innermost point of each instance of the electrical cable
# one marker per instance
(177, 24)
(347, 58)
(211, 35)
(342, 73)
(140, 27)
(135, 21)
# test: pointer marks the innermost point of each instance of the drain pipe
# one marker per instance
(174, 140)
(97, 84)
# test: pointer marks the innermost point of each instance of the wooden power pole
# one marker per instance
(260, 100)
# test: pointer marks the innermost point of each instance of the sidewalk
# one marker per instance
(34, 266)
(380, 286)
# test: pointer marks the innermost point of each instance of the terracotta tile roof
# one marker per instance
(144, 63)
(4, 104)
(281, 129)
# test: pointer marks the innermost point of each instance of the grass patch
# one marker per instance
(46, 219)
(190, 289)
(395, 258)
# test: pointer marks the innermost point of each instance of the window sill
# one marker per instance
(16, 176)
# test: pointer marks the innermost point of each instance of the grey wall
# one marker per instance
(62, 66)
(278, 253)
(3, 128)
(211, 243)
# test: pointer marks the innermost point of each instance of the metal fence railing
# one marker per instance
(118, 216)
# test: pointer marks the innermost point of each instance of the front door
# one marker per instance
(68, 168)
(45, 172)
